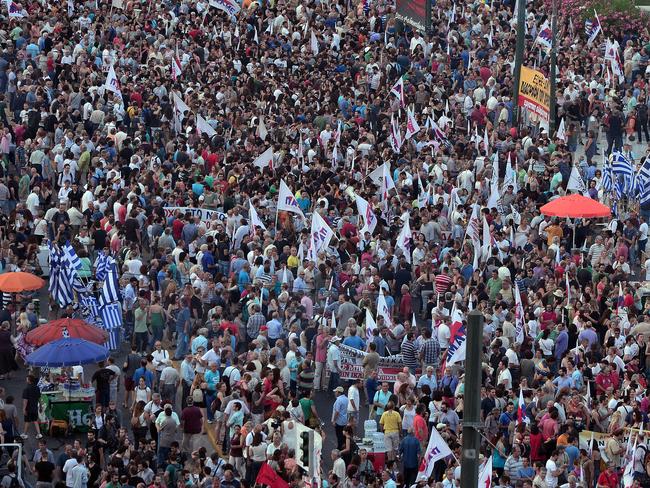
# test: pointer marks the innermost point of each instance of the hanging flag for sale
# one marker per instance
(521, 409)
(398, 91)
(287, 201)
(364, 209)
(313, 43)
(437, 449)
(265, 159)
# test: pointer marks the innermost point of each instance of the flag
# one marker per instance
(70, 8)
(14, 9)
(261, 131)
(398, 91)
(439, 134)
(520, 331)
(521, 409)
(395, 136)
(265, 159)
(111, 287)
(71, 256)
(256, 222)
(404, 239)
(485, 474)
(90, 309)
(628, 472)
(268, 476)
(607, 179)
(231, 7)
(59, 286)
(180, 109)
(545, 36)
(592, 28)
(568, 287)
(112, 83)
(457, 350)
(176, 68)
(102, 265)
(365, 211)
(473, 225)
(487, 240)
(202, 127)
(313, 43)
(370, 324)
(423, 195)
(621, 165)
(111, 315)
(320, 237)
(576, 183)
(382, 308)
(412, 126)
(436, 449)
(287, 201)
(387, 183)
(561, 132)
(490, 36)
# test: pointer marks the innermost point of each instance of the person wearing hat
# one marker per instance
(340, 415)
(334, 362)
(167, 425)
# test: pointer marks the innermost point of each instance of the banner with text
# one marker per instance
(203, 213)
(534, 92)
(352, 365)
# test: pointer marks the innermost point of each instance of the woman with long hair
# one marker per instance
(139, 422)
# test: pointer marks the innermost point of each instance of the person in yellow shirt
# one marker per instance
(391, 423)
(553, 230)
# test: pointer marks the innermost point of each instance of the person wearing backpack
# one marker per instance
(11, 480)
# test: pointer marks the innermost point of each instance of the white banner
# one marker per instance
(203, 213)
(437, 449)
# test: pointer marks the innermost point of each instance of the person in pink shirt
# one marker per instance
(322, 340)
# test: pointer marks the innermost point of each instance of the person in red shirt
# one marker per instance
(605, 379)
(608, 478)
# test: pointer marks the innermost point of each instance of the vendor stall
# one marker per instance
(75, 407)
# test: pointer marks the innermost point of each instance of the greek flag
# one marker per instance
(607, 177)
(61, 284)
(102, 265)
(90, 309)
(71, 256)
(111, 317)
(621, 165)
(111, 287)
(618, 187)
(644, 170)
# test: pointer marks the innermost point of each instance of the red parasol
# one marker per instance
(58, 329)
(575, 206)
(18, 281)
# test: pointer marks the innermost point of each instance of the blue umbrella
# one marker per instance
(69, 351)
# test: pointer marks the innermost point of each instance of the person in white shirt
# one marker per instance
(160, 358)
(354, 401)
(553, 470)
(444, 334)
(67, 470)
(80, 474)
(33, 201)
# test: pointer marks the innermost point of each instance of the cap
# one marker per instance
(168, 405)
(339, 389)
(264, 328)
(335, 339)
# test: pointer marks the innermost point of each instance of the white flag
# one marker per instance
(404, 239)
(313, 43)
(398, 91)
(255, 219)
(321, 235)
(487, 240)
(412, 126)
(287, 201)
(180, 106)
(382, 308)
(202, 127)
(436, 450)
(176, 68)
(365, 211)
(14, 10)
(112, 83)
(265, 159)
(395, 135)
(561, 132)
(370, 325)
(519, 317)
(485, 474)
(117, 4)
(261, 129)
(576, 183)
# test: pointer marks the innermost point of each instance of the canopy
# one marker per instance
(67, 352)
(62, 328)
(575, 206)
(18, 281)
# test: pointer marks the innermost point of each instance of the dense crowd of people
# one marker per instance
(235, 318)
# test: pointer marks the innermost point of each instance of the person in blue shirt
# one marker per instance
(340, 415)
(506, 417)
(211, 379)
(563, 381)
(353, 340)
(410, 451)
(143, 372)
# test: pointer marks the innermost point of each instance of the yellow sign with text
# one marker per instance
(534, 92)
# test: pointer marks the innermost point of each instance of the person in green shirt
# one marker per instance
(494, 285)
(141, 328)
(309, 409)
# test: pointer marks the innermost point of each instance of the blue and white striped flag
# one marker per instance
(60, 284)
(618, 187)
(621, 165)
(111, 316)
(90, 309)
(102, 265)
(607, 182)
(71, 256)
(644, 196)
(111, 287)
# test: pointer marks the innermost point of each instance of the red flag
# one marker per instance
(267, 476)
